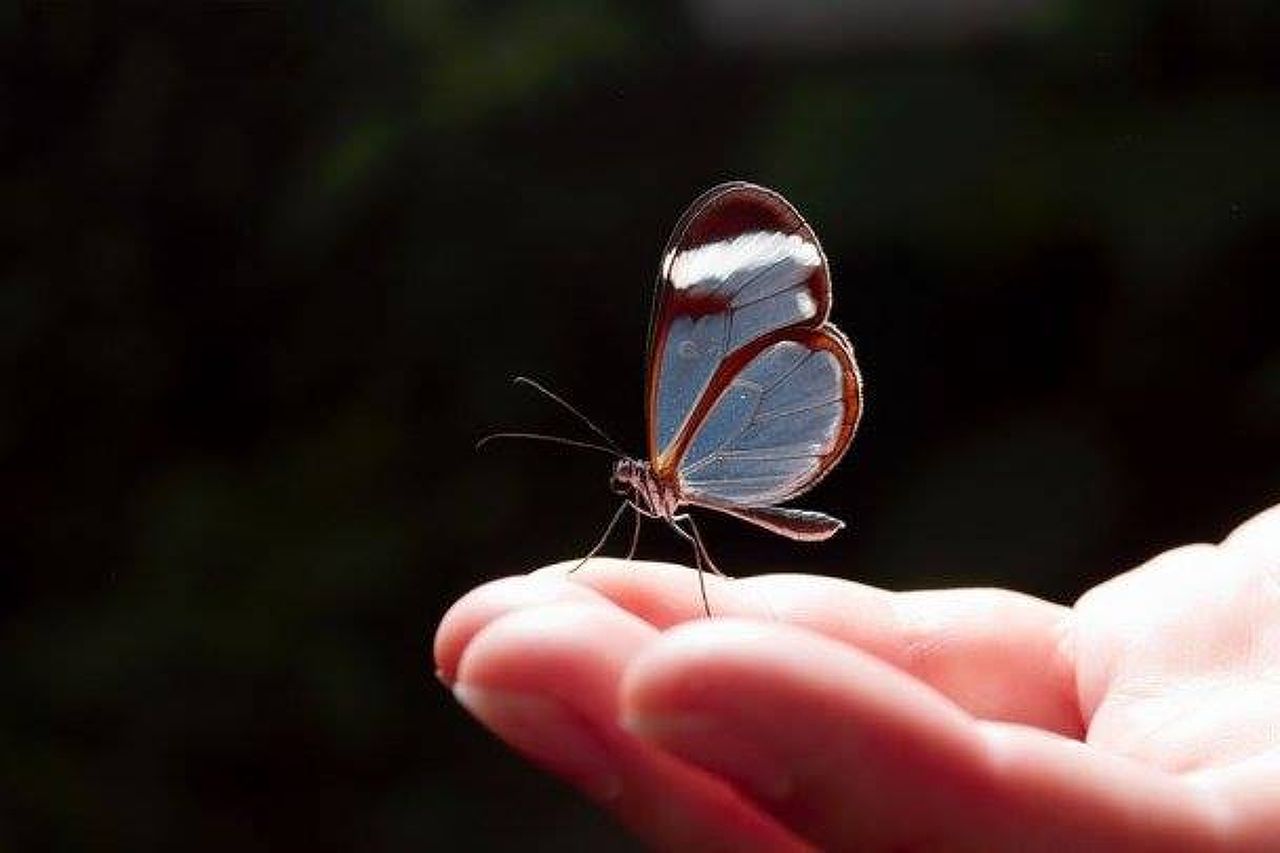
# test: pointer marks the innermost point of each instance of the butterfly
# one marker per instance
(752, 395)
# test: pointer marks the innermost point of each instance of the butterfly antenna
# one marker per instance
(524, 380)
(554, 439)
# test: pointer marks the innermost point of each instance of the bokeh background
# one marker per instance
(268, 268)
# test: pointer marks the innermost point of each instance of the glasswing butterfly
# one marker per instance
(752, 396)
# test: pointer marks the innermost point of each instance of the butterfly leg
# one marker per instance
(635, 535)
(613, 522)
(697, 558)
(697, 543)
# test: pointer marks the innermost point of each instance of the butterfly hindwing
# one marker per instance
(777, 427)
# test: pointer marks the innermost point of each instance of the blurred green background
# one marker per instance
(267, 269)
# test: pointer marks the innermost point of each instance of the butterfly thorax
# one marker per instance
(640, 484)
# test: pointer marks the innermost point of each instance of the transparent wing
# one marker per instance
(777, 427)
(742, 269)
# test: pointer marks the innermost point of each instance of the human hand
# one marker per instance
(818, 712)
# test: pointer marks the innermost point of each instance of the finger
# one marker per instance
(545, 680)
(1259, 536)
(854, 754)
(998, 654)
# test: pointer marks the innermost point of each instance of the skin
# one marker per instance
(814, 712)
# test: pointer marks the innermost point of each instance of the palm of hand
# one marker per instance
(831, 714)
(1178, 663)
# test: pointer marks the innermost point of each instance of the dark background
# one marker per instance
(268, 268)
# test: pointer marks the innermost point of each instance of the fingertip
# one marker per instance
(488, 602)
(559, 648)
(534, 678)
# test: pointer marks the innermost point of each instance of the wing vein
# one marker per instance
(759, 273)
(746, 456)
(773, 416)
(791, 372)
(714, 454)
(782, 479)
(768, 296)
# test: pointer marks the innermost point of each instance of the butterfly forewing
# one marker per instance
(741, 265)
(752, 396)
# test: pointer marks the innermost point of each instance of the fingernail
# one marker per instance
(549, 732)
(705, 741)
